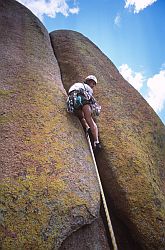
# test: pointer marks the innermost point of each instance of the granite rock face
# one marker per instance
(132, 159)
(91, 237)
(48, 186)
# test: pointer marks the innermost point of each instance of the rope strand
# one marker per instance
(103, 199)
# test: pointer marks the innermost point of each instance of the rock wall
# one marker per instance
(48, 186)
(91, 237)
(132, 159)
(49, 194)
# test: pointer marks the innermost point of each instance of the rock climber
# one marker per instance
(82, 103)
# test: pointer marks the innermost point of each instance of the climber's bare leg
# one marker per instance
(87, 116)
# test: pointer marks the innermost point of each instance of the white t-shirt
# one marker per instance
(84, 86)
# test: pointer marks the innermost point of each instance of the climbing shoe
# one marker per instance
(97, 146)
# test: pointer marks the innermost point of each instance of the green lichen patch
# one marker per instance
(4, 92)
(5, 118)
(131, 162)
(28, 205)
(25, 210)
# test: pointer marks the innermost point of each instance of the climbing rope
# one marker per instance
(103, 198)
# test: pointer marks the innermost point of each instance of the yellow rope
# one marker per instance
(103, 198)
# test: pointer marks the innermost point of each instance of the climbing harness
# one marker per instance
(80, 96)
(103, 198)
(77, 99)
(74, 101)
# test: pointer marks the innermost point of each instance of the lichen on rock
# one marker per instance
(132, 159)
(46, 193)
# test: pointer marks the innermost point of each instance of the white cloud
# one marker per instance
(117, 20)
(156, 91)
(74, 10)
(138, 5)
(49, 7)
(136, 79)
(155, 86)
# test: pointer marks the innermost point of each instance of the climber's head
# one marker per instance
(91, 80)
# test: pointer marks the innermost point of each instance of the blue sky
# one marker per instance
(130, 32)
